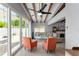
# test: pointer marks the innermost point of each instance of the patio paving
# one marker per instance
(3, 47)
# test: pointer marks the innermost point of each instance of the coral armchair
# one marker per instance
(49, 44)
(29, 43)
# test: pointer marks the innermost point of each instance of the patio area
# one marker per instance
(4, 39)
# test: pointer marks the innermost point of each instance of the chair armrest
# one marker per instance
(45, 41)
(34, 41)
(44, 44)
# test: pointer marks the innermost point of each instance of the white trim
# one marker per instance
(13, 50)
(20, 30)
(25, 27)
(30, 28)
(67, 54)
(9, 32)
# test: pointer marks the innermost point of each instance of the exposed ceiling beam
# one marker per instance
(33, 4)
(39, 9)
(39, 6)
(50, 6)
(61, 6)
(42, 14)
(55, 6)
(27, 10)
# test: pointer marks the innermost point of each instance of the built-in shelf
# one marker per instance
(60, 32)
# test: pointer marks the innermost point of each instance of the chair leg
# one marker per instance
(24, 48)
(47, 51)
(36, 47)
(42, 48)
(53, 50)
(30, 50)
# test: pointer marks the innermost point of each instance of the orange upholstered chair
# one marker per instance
(49, 44)
(29, 43)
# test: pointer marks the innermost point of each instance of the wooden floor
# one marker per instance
(73, 52)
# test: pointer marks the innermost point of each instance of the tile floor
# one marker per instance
(60, 51)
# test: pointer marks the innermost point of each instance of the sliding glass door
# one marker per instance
(15, 30)
(10, 24)
(3, 29)
(23, 27)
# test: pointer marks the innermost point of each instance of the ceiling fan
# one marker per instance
(40, 12)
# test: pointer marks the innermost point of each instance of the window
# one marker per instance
(39, 29)
(23, 27)
(3, 29)
(42, 29)
(15, 30)
(27, 27)
(36, 30)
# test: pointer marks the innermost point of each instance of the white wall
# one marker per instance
(37, 25)
(72, 22)
(48, 28)
(71, 14)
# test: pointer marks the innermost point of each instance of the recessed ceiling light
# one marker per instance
(39, 14)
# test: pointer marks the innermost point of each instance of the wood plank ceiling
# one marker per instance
(32, 9)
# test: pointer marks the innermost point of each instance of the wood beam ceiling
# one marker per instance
(25, 5)
(25, 11)
(60, 9)
(42, 14)
(50, 6)
(40, 6)
(39, 9)
(33, 4)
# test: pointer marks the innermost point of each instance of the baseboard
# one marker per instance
(17, 51)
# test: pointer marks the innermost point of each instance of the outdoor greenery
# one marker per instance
(2, 24)
(16, 22)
